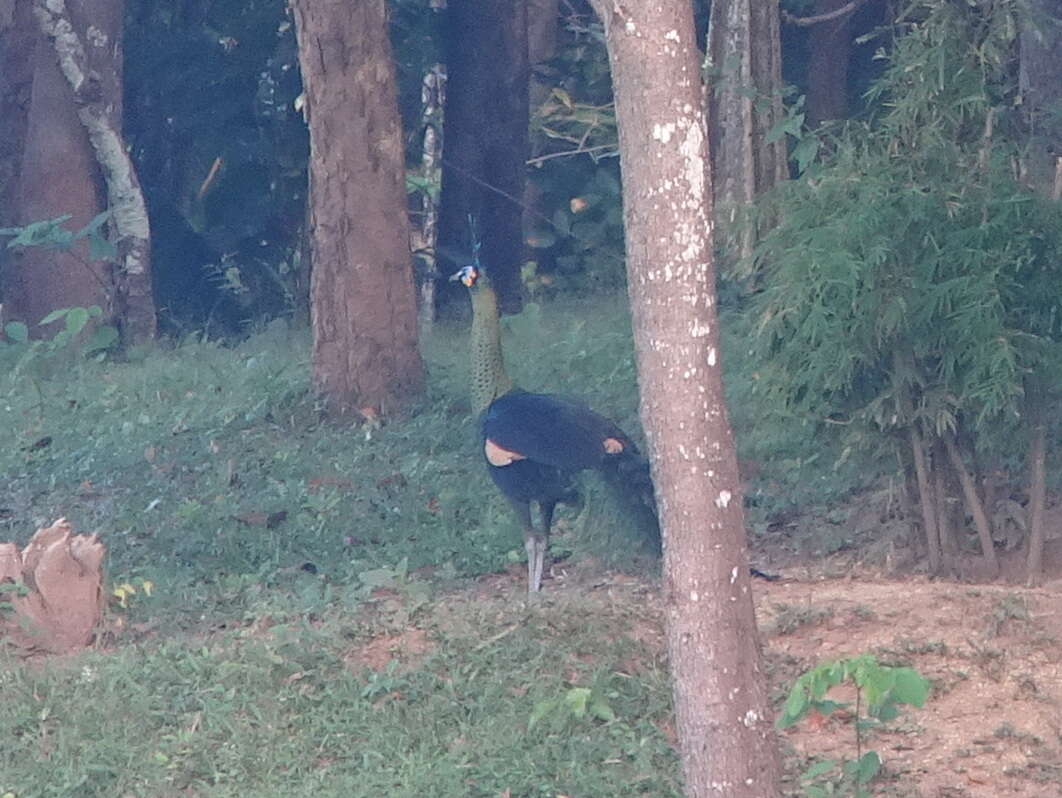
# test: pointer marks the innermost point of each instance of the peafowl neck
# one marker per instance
(489, 379)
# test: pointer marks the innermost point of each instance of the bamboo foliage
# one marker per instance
(914, 284)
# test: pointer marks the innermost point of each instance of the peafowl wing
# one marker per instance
(550, 430)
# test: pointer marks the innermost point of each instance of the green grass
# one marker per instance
(235, 676)
(278, 708)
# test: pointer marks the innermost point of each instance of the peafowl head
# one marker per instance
(471, 276)
(488, 376)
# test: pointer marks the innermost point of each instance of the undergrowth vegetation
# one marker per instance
(268, 535)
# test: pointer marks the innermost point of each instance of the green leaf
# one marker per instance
(17, 331)
(103, 337)
(804, 153)
(867, 767)
(885, 712)
(600, 709)
(540, 711)
(816, 769)
(101, 249)
(577, 700)
(795, 707)
(76, 320)
(910, 687)
(55, 315)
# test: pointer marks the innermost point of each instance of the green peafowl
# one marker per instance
(535, 443)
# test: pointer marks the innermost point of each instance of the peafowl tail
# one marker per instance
(620, 522)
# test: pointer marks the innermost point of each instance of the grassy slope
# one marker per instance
(235, 676)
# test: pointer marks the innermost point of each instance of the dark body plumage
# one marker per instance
(554, 437)
(535, 443)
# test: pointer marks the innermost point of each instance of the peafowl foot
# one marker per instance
(535, 546)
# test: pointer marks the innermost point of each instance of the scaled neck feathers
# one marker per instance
(489, 379)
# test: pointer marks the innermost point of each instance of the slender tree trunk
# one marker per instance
(745, 57)
(949, 544)
(1034, 569)
(927, 495)
(723, 717)
(830, 45)
(363, 304)
(426, 232)
(486, 137)
(974, 505)
(87, 39)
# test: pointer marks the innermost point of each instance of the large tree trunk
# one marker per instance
(745, 54)
(62, 106)
(486, 137)
(18, 37)
(363, 304)
(56, 174)
(88, 42)
(723, 716)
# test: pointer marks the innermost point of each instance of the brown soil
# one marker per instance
(992, 726)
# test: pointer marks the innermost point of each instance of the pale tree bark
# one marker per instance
(87, 40)
(745, 61)
(363, 302)
(726, 736)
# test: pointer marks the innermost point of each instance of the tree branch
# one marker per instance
(804, 22)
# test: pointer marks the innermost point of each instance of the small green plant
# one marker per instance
(577, 703)
(880, 688)
(50, 234)
(9, 590)
(74, 321)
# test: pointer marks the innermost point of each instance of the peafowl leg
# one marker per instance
(535, 546)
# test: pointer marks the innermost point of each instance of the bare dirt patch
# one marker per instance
(408, 648)
(993, 723)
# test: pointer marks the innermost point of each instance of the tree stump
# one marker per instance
(57, 600)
